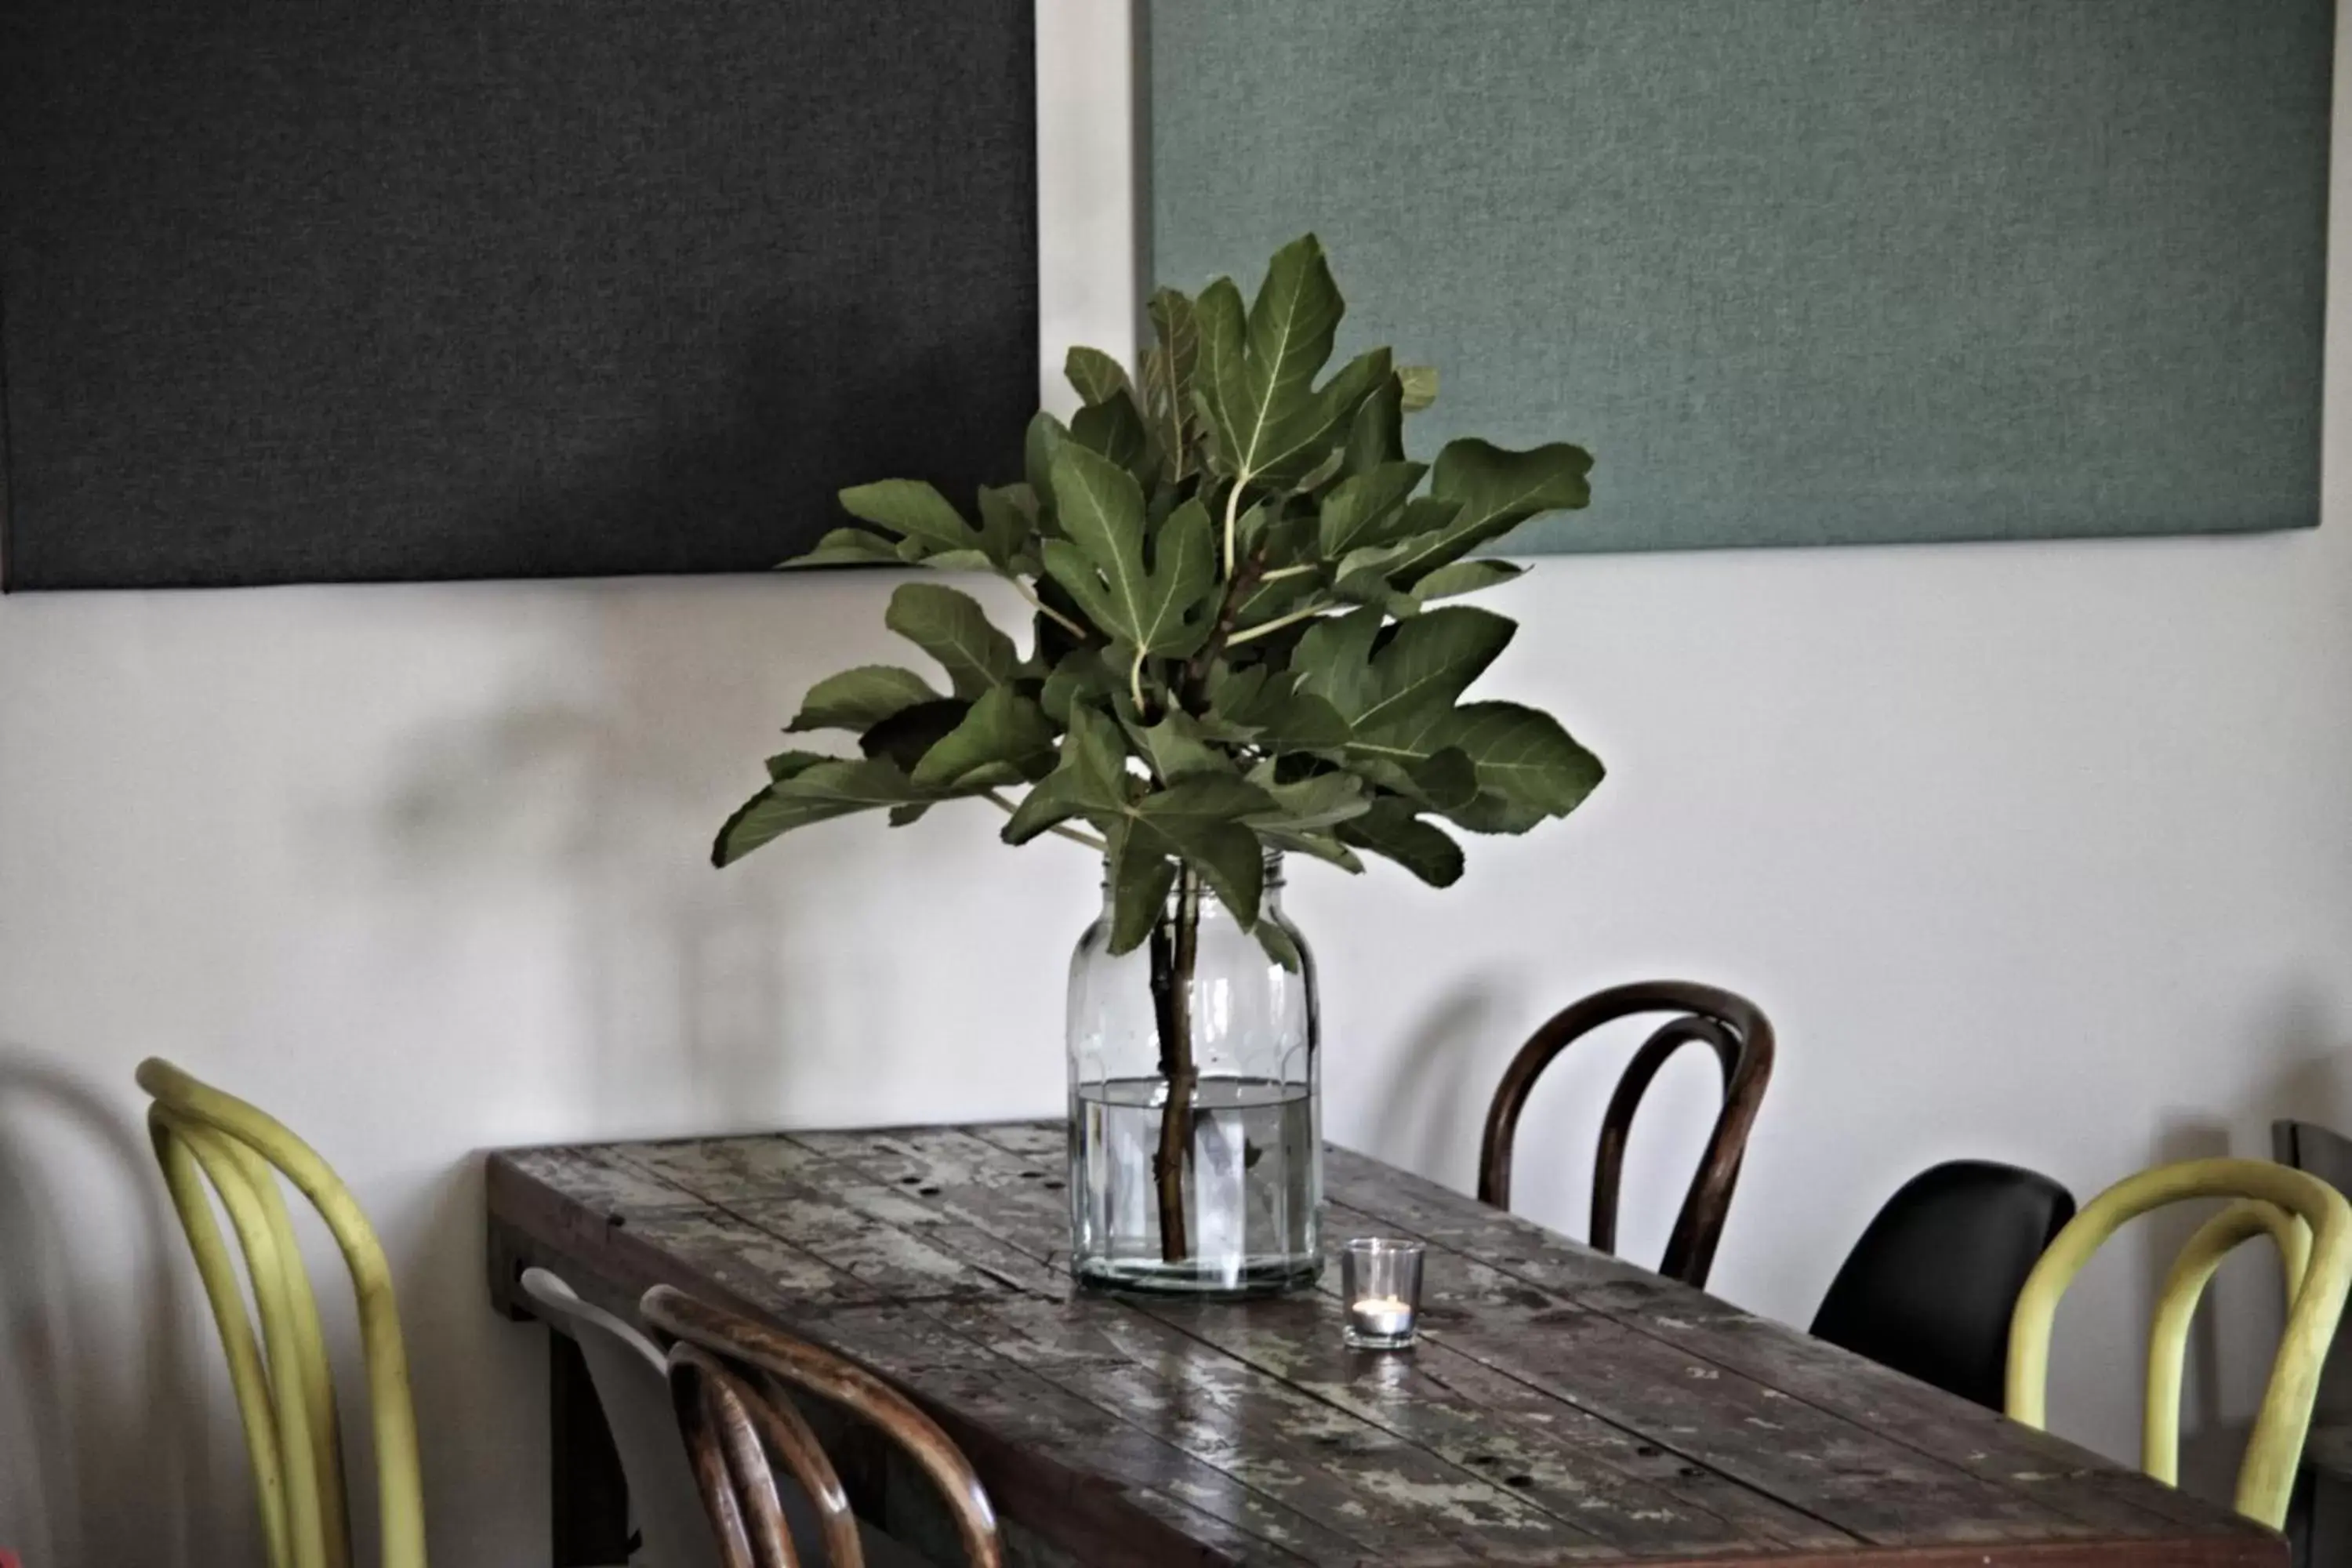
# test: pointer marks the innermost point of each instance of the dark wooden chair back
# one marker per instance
(1930, 1287)
(728, 1380)
(2327, 1155)
(2320, 1524)
(1731, 1026)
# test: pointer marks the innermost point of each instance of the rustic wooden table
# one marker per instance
(1564, 1406)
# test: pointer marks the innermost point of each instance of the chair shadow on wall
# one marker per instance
(1430, 1111)
(75, 1413)
(554, 797)
(583, 789)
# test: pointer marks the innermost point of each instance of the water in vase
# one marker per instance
(1250, 1190)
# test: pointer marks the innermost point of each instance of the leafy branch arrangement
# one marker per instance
(1230, 568)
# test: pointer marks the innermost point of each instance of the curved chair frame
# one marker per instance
(727, 1374)
(285, 1392)
(730, 1427)
(631, 1377)
(1733, 1028)
(2312, 1225)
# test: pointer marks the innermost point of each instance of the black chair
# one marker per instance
(1930, 1288)
(2320, 1520)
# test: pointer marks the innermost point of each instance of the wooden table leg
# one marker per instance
(589, 1502)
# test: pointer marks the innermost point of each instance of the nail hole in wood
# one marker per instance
(928, 1191)
(1690, 1472)
(1031, 1175)
(1518, 1480)
(910, 1181)
(1647, 1451)
(1053, 1186)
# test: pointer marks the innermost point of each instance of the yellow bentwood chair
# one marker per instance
(2312, 1226)
(284, 1389)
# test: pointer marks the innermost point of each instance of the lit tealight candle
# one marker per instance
(1381, 1282)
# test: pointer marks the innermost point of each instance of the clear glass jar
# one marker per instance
(1241, 1215)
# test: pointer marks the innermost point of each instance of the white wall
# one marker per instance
(2033, 851)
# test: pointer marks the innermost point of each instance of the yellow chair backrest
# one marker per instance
(2312, 1225)
(284, 1389)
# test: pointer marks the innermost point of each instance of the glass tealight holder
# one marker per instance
(1380, 1281)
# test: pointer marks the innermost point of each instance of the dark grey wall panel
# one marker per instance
(1800, 271)
(296, 292)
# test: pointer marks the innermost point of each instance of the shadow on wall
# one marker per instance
(1440, 1088)
(100, 1462)
(572, 798)
(435, 1229)
(579, 798)
(569, 787)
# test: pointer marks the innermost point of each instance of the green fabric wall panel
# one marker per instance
(1799, 271)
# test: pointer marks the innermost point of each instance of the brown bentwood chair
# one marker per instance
(728, 1376)
(1731, 1026)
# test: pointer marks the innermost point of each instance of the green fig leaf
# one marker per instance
(1496, 490)
(1005, 738)
(1095, 375)
(1278, 943)
(1080, 676)
(1425, 664)
(1365, 509)
(1256, 375)
(1392, 831)
(1322, 801)
(1140, 885)
(860, 699)
(914, 511)
(953, 628)
(1334, 659)
(1376, 430)
(847, 547)
(1176, 748)
(1151, 607)
(1201, 820)
(1044, 438)
(1521, 754)
(1321, 845)
(1089, 780)
(905, 736)
(1251, 708)
(1325, 470)
(784, 764)
(1168, 367)
(1464, 577)
(814, 794)
(1115, 428)
(1008, 519)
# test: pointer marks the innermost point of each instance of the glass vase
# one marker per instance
(1196, 1152)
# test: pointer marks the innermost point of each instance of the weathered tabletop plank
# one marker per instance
(1564, 1406)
